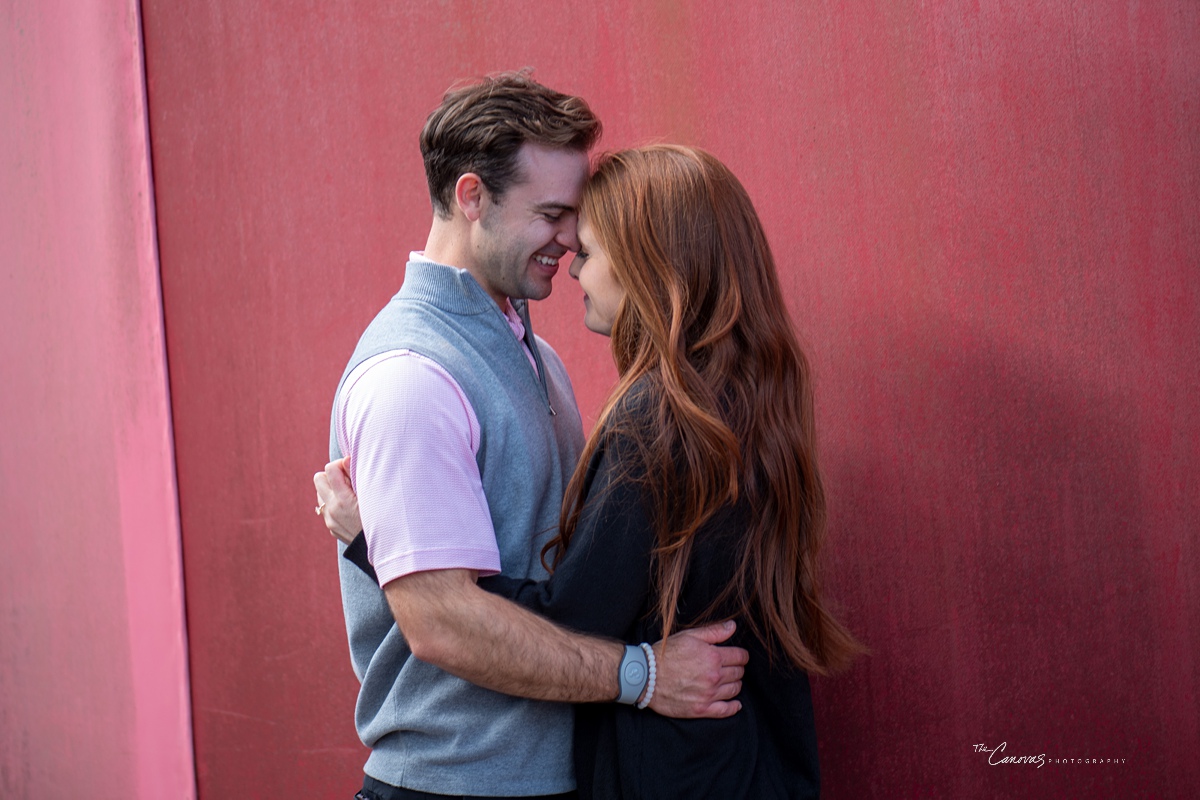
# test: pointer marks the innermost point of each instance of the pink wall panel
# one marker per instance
(93, 685)
(986, 218)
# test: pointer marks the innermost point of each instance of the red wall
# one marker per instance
(986, 217)
(93, 664)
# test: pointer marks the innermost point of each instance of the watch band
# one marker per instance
(633, 674)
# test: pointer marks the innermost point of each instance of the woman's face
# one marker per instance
(602, 294)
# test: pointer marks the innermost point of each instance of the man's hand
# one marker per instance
(696, 678)
(336, 501)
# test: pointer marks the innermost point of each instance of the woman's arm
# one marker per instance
(603, 581)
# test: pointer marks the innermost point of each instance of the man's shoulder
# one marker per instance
(410, 325)
(402, 393)
(400, 371)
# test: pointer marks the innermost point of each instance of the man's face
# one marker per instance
(523, 236)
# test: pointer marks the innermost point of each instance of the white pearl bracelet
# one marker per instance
(649, 651)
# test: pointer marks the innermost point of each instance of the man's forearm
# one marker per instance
(451, 623)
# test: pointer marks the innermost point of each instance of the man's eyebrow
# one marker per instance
(560, 207)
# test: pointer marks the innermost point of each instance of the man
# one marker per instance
(463, 432)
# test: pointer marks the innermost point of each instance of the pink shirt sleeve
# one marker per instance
(412, 436)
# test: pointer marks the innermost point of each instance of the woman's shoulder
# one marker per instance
(639, 398)
(632, 414)
(627, 430)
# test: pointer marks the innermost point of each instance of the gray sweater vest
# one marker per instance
(429, 730)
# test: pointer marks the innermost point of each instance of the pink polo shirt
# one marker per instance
(412, 436)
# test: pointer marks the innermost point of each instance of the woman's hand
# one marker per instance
(337, 504)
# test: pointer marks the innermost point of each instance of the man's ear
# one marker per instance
(470, 195)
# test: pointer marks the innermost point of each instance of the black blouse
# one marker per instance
(603, 586)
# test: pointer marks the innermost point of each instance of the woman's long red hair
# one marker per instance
(728, 410)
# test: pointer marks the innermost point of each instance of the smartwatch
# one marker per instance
(633, 674)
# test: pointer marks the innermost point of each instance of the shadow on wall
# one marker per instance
(989, 542)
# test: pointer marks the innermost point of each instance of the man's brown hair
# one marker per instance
(480, 128)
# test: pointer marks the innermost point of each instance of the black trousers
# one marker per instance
(378, 790)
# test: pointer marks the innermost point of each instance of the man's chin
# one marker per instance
(538, 291)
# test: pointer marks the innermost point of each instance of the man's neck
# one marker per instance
(445, 246)
(450, 246)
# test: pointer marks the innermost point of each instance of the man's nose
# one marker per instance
(568, 235)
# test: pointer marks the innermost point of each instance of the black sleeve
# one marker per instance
(356, 554)
(603, 581)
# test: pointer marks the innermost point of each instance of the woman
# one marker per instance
(697, 497)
